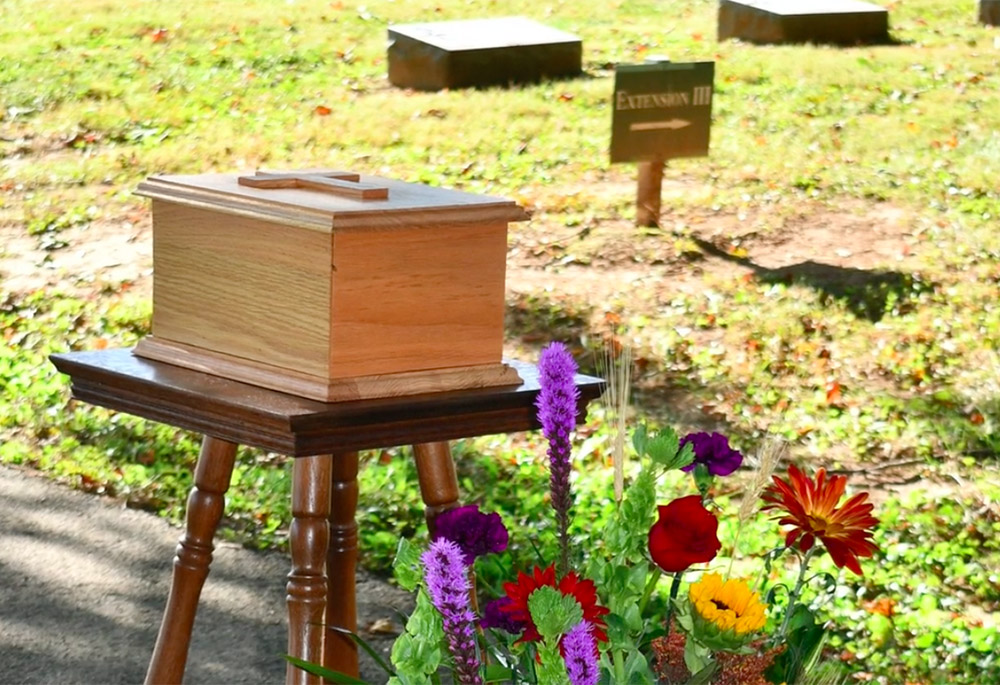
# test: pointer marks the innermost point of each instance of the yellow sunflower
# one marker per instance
(729, 607)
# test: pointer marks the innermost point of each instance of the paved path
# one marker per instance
(83, 582)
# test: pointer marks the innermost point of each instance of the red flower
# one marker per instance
(685, 533)
(812, 509)
(583, 591)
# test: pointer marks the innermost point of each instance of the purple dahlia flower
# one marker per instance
(712, 450)
(474, 532)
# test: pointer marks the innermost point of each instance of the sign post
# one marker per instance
(661, 111)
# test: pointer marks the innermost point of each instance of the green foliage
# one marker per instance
(662, 448)
(804, 640)
(897, 360)
(551, 669)
(407, 567)
(553, 613)
(418, 652)
(326, 673)
(626, 534)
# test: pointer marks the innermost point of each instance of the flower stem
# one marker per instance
(793, 596)
(619, 666)
(674, 589)
(648, 591)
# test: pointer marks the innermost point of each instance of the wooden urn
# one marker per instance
(329, 285)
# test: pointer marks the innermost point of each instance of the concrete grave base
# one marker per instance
(480, 52)
(841, 22)
(989, 12)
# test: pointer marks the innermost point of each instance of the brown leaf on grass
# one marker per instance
(833, 392)
(323, 110)
(160, 35)
(885, 606)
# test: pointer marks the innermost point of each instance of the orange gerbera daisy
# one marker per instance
(811, 507)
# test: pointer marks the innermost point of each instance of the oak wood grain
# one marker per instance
(326, 389)
(417, 299)
(245, 288)
(408, 204)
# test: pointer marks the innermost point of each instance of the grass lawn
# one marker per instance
(828, 275)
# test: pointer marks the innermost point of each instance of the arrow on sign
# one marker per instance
(654, 125)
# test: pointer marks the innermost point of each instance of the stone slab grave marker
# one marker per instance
(841, 22)
(660, 111)
(989, 12)
(479, 53)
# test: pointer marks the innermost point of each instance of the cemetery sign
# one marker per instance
(661, 110)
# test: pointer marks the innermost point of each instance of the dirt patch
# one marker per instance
(614, 262)
(86, 259)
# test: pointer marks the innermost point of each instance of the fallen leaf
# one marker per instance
(383, 626)
(323, 110)
(833, 392)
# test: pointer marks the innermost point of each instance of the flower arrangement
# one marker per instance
(598, 618)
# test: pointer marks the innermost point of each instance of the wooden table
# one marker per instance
(325, 438)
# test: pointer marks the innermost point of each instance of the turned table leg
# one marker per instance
(309, 537)
(194, 555)
(340, 651)
(439, 489)
(438, 481)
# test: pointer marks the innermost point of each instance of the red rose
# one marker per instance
(684, 534)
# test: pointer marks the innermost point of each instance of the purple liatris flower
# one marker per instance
(474, 532)
(712, 450)
(447, 581)
(556, 404)
(580, 655)
(495, 617)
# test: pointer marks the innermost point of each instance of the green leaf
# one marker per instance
(802, 617)
(552, 669)
(408, 570)
(637, 671)
(640, 437)
(703, 479)
(417, 652)
(704, 676)
(553, 613)
(316, 669)
(661, 448)
(376, 657)
(633, 619)
(803, 644)
(495, 673)
(626, 536)
(698, 659)
(617, 631)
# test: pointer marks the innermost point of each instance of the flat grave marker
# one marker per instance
(841, 22)
(989, 12)
(479, 53)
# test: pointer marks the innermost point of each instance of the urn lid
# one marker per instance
(327, 200)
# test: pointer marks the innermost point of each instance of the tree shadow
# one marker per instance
(867, 294)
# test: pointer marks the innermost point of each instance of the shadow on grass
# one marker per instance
(868, 294)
